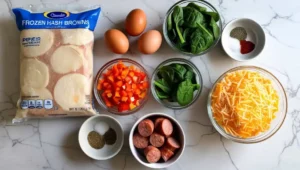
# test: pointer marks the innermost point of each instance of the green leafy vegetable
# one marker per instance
(215, 28)
(176, 83)
(190, 74)
(185, 92)
(213, 15)
(201, 40)
(192, 17)
(169, 23)
(193, 28)
(172, 34)
(177, 16)
(163, 85)
(160, 94)
(187, 33)
(167, 73)
(180, 70)
(197, 7)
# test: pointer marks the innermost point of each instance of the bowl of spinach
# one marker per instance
(176, 83)
(192, 27)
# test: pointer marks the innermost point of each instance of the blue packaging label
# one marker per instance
(56, 20)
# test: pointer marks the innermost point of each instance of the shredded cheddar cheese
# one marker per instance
(244, 103)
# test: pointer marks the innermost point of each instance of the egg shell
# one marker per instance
(136, 22)
(116, 41)
(149, 42)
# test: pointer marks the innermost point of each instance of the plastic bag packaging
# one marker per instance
(56, 70)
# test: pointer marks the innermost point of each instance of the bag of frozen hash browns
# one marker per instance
(56, 63)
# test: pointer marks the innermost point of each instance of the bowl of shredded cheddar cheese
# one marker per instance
(247, 104)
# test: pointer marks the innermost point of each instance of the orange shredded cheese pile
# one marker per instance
(244, 103)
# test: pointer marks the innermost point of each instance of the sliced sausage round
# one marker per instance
(157, 140)
(140, 141)
(166, 154)
(152, 154)
(146, 127)
(166, 127)
(172, 144)
(158, 121)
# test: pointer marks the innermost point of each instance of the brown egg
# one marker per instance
(149, 42)
(116, 41)
(136, 22)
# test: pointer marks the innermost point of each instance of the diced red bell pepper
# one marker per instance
(142, 95)
(123, 93)
(106, 101)
(132, 106)
(117, 94)
(145, 85)
(124, 99)
(109, 95)
(128, 87)
(134, 86)
(119, 78)
(135, 79)
(131, 67)
(129, 94)
(131, 74)
(110, 78)
(137, 92)
(115, 71)
(123, 86)
(116, 100)
(123, 107)
(124, 73)
(119, 83)
(128, 79)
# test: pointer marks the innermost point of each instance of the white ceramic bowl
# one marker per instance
(255, 34)
(138, 154)
(108, 151)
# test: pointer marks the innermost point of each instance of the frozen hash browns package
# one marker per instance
(56, 63)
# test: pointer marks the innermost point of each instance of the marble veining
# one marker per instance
(51, 144)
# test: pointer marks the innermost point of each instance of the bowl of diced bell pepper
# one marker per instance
(122, 86)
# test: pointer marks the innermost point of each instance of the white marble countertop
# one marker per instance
(52, 144)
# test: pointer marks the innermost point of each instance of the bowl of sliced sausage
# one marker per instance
(157, 140)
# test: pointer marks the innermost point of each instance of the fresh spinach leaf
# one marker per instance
(196, 87)
(215, 28)
(201, 39)
(161, 95)
(183, 47)
(180, 71)
(169, 22)
(185, 92)
(212, 14)
(197, 7)
(167, 73)
(163, 85)
(172, 34)
(192, 17)
(181, 22)
(187, 34)
(190, 74)
(177, 16)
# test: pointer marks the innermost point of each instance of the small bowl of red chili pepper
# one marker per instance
(243, 39)
(122, 86)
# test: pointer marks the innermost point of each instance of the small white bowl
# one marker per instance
(138, 154)
(255, 34)
(108, 151)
